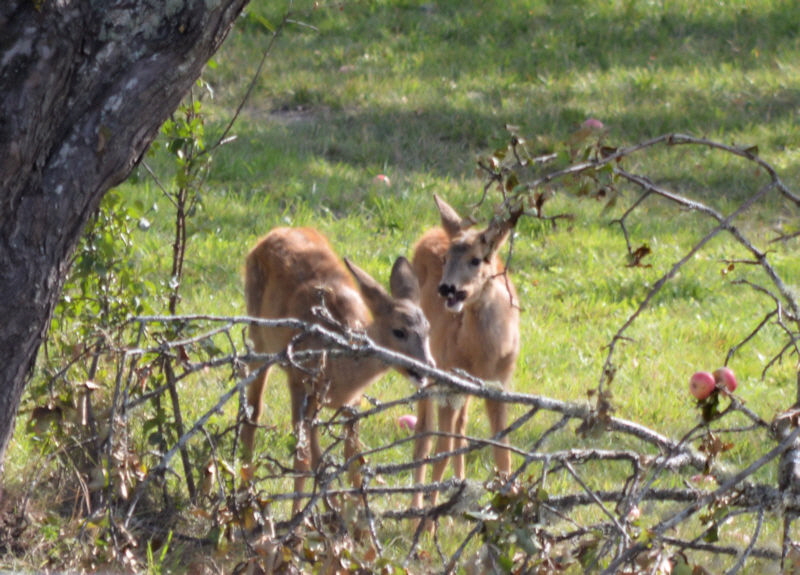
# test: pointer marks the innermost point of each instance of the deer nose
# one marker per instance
(451, 294)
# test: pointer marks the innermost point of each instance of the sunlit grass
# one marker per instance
(416, 90)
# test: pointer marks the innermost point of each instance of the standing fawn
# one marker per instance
(291, 273)
(472, 307)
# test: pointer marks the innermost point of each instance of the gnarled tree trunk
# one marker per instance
(84, 87)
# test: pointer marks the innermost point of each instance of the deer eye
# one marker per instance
(399, 333)
(475, 262)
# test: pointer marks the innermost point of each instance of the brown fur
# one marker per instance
(475, 328)
(287, 274)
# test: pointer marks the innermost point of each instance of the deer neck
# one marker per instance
(352, 376)
(494, 295)
(493, 315)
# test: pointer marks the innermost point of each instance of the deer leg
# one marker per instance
(307, 452)
(444, 444)
(352, 447)
(255, 405)
(426, 423)
(460, 429)
(498, 419)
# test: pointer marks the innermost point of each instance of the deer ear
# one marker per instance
(374, 295)
(452, 223)
(404, 282)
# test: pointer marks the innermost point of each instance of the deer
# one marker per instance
(473, 311)
(295, 273)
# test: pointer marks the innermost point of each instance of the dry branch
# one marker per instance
(523, 505)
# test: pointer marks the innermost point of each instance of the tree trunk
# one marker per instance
(84, 87)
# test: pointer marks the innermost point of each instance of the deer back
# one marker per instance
(294, 272)
(290, 273)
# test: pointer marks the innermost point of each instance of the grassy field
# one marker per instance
(417, 90)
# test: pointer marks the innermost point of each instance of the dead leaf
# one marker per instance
(636, 256)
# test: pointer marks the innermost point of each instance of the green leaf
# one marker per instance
(259, 19)
(512, 182)
(506, 562)
(712, 535)
(526, 542)
(157, 440)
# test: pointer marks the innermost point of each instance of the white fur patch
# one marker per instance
(454, 401)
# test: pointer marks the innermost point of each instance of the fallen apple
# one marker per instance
(593, 124)
(382, 179)
(408, 422)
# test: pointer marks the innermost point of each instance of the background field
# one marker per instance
(417, 90)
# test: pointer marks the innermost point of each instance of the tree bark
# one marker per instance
(84, 87)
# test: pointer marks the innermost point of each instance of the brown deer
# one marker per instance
(294, 273)
(472, 307)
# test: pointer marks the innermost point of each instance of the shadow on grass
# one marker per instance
(286, 135)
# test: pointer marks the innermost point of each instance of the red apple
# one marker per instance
(593, 124)
(702, 384)
(725, 375)
(408, 422)
(382, 179)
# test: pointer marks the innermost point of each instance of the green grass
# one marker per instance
(417, 90)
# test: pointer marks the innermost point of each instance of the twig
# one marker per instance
(677, 518)
(749, 550)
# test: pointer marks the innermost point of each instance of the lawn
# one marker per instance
(417, 91)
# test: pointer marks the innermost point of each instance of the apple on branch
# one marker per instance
(725, 375)
(702, 384)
